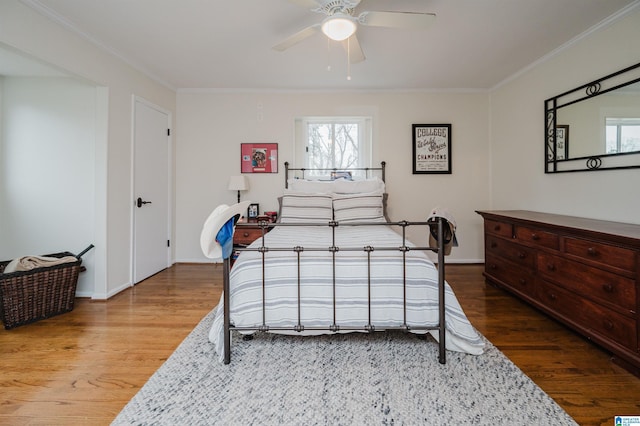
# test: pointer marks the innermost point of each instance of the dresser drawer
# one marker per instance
(596, 284)
(537, 237)
(517, 253)
(246, 235)
(516, 278)
(588, 315)
(604, 254)
(498, 228)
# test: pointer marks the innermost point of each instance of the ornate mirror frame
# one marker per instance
(557, 153)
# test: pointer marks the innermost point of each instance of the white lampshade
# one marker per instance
(238, 183)
(339, 26)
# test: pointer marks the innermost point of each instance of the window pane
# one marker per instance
(623, 134)
(346, 146)
(320, 146)
(333, 145)
(612, 140)
(630, 139)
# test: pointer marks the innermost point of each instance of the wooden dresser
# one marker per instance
(583, 272)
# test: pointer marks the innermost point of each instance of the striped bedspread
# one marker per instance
(352, 293)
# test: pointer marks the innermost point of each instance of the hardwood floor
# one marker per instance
(82, 367)
(578, 375)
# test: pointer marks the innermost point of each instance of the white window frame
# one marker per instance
(365, 140)
(619, 123)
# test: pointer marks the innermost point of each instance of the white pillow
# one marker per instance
(365, 207)
(344, 186)
(306, 207)
(311, 186)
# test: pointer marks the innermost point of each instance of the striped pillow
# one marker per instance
(304, 207)
(365, 207)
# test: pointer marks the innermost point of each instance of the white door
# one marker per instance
(151, 229)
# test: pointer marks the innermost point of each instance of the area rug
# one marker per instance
(384, 378)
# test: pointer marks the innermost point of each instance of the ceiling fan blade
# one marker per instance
(296, 38)
(355, 51)
(407, 20)
(305, 3)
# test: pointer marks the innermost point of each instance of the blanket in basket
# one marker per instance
(27, 263)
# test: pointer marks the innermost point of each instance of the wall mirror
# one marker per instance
(595, 126)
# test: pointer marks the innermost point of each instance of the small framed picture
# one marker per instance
(259, 158)
(253, 211)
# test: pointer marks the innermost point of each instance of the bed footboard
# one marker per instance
(333, 249)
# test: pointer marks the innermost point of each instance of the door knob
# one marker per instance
(139, 202)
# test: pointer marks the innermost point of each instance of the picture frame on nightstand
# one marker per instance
(253, 211)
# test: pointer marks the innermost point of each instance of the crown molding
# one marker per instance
(630, 8)
(62, 21)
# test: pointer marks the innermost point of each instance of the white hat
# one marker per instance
(216, 220)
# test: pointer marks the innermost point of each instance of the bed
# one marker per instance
(335, 264)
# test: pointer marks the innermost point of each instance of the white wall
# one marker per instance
(498, 141)
(213, 125)
(26, 30)
(47, 169)
(517, 123)
(498, 146)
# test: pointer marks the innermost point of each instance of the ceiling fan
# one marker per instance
(341, 23)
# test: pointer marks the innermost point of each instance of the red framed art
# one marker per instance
(259, 157)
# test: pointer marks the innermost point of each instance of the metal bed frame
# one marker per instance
(333, 249)
(367, 170)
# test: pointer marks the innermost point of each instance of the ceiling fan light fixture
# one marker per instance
(339, 26)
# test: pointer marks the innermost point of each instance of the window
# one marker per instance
(623, 135)
(333, 143)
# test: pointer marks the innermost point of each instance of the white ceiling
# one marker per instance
(474, 44)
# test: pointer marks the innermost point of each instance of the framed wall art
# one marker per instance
(562, 142)
(259, 158)
(431, 148)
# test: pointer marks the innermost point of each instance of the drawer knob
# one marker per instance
(494, 244)
(535, 237)
(245, 234)
(523, 281)
(522, 254)
(551, 266)
(608, 288)
(608, 325)
(592, 251)
(496, 228)
(493, 266)
(552, 296)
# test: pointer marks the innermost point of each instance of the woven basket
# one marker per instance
(29, 296)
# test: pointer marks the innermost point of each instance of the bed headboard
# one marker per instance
(367, 170)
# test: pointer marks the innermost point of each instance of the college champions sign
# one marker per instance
(431, 148)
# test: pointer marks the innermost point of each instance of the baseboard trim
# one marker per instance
(110, 294)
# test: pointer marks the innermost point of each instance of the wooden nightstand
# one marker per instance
(245, 234)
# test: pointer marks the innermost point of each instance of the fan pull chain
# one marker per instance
(348, 59)
(328, 54)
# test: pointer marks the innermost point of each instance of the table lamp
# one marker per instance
(238, 183)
